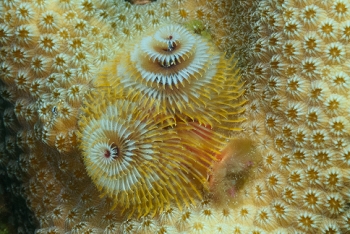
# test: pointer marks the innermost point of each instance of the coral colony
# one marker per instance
(174, 116)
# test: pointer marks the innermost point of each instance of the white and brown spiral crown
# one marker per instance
(134, 158)
(181, 73)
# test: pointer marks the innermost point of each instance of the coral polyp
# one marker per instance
(133, 157)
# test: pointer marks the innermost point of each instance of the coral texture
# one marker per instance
(72, 70)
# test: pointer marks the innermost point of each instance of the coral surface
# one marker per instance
(125, 117)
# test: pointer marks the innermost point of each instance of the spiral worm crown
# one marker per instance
(182, 74)
(132, 157)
